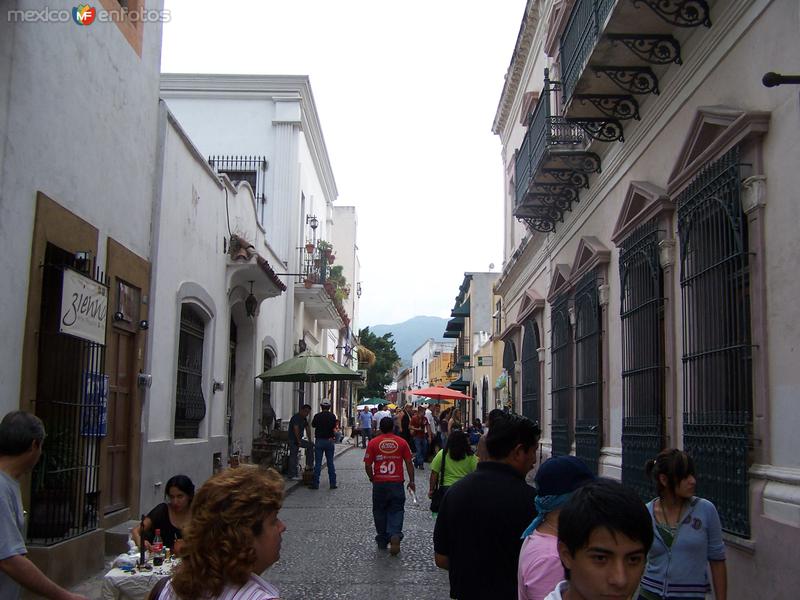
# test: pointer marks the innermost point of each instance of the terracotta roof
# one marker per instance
(241, 249)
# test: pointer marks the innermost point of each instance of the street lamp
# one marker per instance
(313, 222)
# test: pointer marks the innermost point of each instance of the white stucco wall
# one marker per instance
(74, 128)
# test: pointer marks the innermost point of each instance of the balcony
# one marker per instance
(615, 53)
(551, 166)
(319, 290)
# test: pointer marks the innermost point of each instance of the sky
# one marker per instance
(406, 94)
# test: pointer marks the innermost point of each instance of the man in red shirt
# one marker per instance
(383, 462)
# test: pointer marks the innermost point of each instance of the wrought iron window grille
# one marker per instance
(588, 371)
(190, 404)
(717, 349)
(72, 401)
(530, 371)
(643, 354)
(252, 169)
(561, 366)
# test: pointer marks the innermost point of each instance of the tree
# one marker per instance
(381, 373)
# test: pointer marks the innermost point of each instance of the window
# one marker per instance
(717, 351)
(530, 371)
(588, 372)
(509, 358)
(498, 321)
(190, 405)
(251, 169)
(643, 355)
(267, 411)
(561, 345)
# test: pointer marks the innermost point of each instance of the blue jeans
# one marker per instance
(388, 510)
(421, 446)
(323, 446)
(366, 436)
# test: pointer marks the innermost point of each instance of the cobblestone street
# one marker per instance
(329, 551)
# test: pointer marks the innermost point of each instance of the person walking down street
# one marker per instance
(540, 567)
(688, 535)
(421, 432)
(457, 461)
(365, 420)
(477, 533)
(324, 424)
(298, 426)
(383, 462)
(375, 429)
(444, 418)
(235, 535)
(21, 438)
(405, 424)
(481, 451)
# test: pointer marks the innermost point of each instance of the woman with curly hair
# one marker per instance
(234, 535)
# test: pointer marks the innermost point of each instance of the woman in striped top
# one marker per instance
(234, 535)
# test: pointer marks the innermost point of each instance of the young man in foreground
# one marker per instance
(604, 535)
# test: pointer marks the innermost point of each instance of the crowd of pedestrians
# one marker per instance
(571, 536)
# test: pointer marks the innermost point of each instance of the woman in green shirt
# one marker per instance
(460, 462)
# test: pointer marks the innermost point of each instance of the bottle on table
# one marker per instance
(157, 549)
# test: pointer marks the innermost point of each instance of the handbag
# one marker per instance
(439, 492)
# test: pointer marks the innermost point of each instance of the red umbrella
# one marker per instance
(440, 393)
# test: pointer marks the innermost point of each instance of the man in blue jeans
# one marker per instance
(365, 420)
(324, 424)
(383, 462)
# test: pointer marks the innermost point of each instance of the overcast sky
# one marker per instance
(406, 93)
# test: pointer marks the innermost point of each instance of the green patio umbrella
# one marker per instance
(372, 401)
(307, 366)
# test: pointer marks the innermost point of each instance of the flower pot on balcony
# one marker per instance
(310, 248)
(308, 283)
(331, 258)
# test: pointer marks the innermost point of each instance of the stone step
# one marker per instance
(116, 538)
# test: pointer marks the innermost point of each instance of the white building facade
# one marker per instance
(645, 291)
(265, 130)
(421, 360)
(77, 174)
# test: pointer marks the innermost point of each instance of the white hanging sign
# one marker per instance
(84, 306)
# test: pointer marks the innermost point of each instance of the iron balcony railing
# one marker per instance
(544, 131)
(579, 38)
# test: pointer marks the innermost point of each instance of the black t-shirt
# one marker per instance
(324, 423)
(480, 522)
(301, 422)
(159, 517)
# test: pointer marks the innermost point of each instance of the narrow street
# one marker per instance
(329, 551)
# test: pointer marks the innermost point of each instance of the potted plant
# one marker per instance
(309, 247)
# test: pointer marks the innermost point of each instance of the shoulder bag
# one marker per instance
(440, 490)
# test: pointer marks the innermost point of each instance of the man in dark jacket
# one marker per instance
(324, 424)
(477, 536)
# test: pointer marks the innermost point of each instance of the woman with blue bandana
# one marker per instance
(540, 569)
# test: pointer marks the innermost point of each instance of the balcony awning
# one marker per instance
(461, 311)
(452, 334)
(455, 324)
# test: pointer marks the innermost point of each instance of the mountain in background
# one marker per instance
(410, 335)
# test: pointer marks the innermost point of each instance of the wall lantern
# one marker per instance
(250, 303)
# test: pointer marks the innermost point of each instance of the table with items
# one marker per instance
(127, 581)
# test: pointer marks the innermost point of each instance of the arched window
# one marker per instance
(190, 405)
(267, 410)
(643, 366)
(509, 359)
(561, 348)
(588, 372)
(717, 350)
(530, 371)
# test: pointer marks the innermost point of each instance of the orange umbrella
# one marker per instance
(440, 393)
